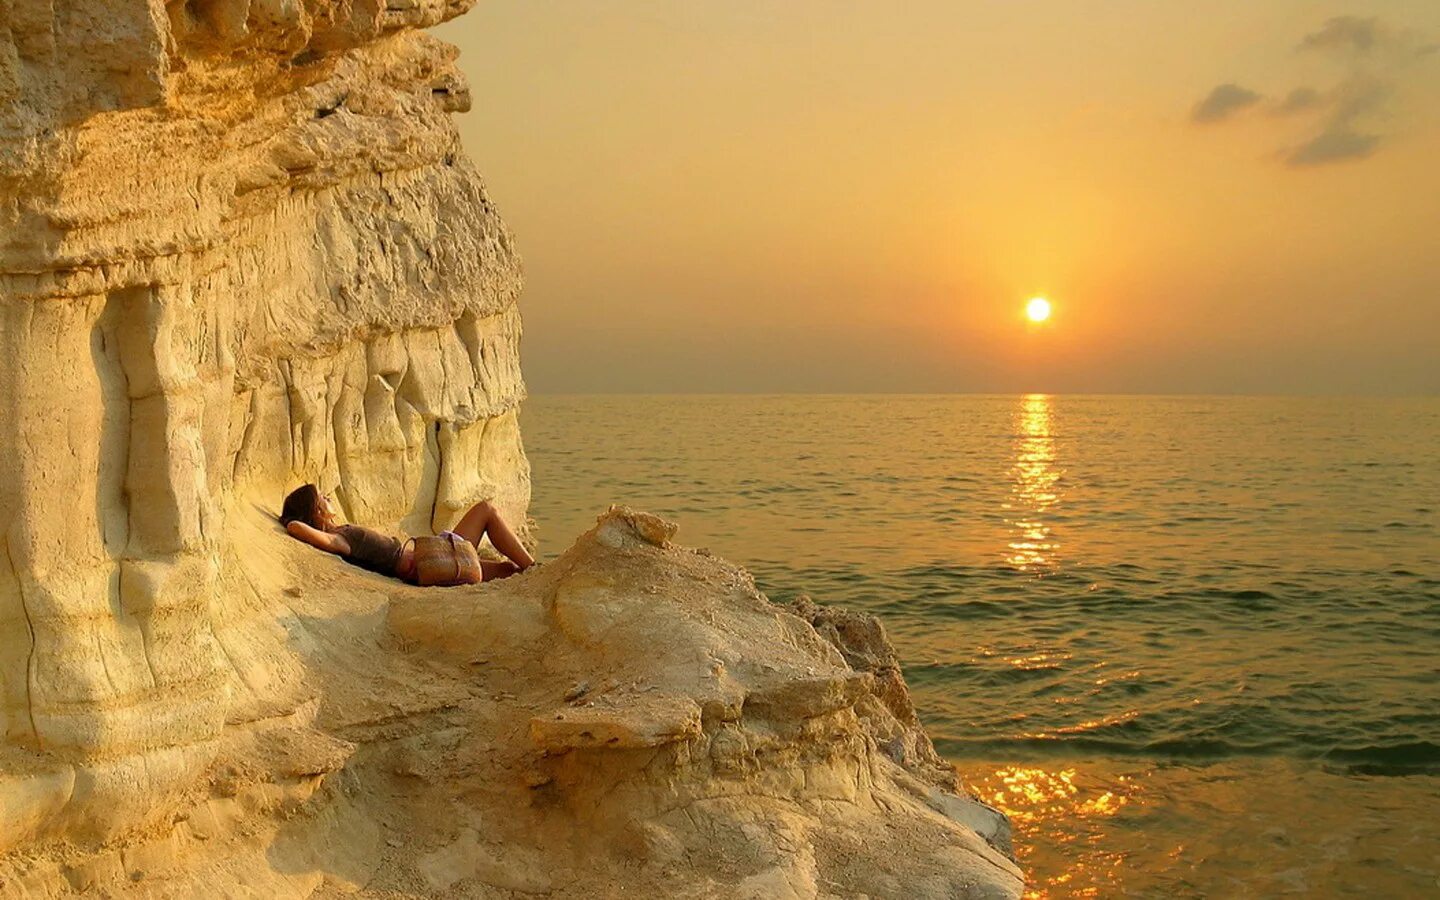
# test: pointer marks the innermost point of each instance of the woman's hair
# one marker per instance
(302, 505)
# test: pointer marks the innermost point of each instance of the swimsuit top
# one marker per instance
(369, 549)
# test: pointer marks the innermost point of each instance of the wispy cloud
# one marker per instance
(1331, 147)
(1342, 136)
(1300, 100)
(1223, 102)
(1345, 33)
(1346, 121)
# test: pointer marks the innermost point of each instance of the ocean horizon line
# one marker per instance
(1179, 395)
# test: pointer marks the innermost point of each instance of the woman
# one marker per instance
(309, 516)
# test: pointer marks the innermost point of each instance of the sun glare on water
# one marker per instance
(1038, 309)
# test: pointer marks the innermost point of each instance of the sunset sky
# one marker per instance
(798, 195)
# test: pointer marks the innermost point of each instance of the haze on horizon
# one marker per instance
(846, 196)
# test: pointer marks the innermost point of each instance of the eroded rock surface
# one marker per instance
(240, 249)
(723, 747)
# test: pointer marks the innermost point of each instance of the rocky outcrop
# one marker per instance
(240, 249)
(631, 718)
(677, 734)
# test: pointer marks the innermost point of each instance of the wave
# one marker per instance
(1408, 758)
(1085, 745)
(1419, 757)
(1401, 759)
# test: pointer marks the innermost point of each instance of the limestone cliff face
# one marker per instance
(239, 249)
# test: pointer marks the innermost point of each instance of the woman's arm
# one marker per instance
(330, 543)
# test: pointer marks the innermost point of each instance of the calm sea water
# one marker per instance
(1191, 645)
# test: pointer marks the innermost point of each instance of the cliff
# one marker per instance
(240, 249)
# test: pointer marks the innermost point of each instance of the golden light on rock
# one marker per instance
(1038, 309)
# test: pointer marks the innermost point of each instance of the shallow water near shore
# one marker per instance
(1190, 644)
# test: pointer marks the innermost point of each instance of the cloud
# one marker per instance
(1345, 33)
(1357, 97)
(1223, 102)
(1332, 147)
(1301, 99)
(1342, 138)
(1372, 61)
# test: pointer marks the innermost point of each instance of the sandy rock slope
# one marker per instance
(633, 716)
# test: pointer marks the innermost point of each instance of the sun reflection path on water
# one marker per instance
(1035, 487)
(1063, 811)
(1059, 814)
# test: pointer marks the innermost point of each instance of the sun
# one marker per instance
(1038, 309)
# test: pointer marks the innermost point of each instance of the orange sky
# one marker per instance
(799, 195)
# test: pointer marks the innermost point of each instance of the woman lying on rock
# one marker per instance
(448, 558)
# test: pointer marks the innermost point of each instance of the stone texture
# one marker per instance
(240, 249)
(723, 746)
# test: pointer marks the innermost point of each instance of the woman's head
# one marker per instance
(306, 504)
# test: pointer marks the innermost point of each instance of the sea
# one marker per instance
(1190, 645)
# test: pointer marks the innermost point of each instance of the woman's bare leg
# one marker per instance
(483, 520)
(491, 570)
